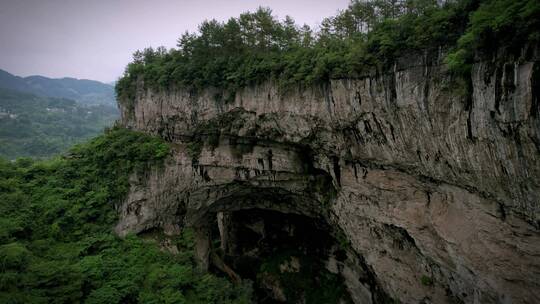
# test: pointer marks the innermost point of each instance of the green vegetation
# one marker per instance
(84, 91)
(369, 34)
(37, 126)
(194, 149)
(507, 24)
(311, 282)
(56, 216)
(56, 239)
(426, 281)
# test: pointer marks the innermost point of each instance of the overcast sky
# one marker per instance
(94, 39)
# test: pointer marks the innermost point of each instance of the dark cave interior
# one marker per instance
(286, 256)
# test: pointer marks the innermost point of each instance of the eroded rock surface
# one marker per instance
(436, 191)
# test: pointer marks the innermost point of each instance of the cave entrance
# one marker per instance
(290, 258)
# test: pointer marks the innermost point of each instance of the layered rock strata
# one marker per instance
(435, 187)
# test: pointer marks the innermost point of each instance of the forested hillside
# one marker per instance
(40, 126)
(56, 241)
(88, 92)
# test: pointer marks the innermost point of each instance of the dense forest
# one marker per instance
(56, 241)
(39, 126)
(56, 215)
(367, 35)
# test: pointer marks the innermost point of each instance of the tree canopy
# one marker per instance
(256, 46)
(56, 238)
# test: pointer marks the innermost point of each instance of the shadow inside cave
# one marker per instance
(290, 258)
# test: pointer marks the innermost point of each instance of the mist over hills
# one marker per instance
(89, 92)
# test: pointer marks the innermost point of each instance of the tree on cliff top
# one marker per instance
(368, 34)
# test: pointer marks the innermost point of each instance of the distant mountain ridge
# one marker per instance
(40, 126)
(41, 116)
(89, 92)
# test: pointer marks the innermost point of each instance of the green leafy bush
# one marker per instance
(426, 281)
(13, 256)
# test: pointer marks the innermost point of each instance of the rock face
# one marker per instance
(437, 191)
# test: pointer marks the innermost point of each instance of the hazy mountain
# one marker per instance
(39, 126)
(82, 90)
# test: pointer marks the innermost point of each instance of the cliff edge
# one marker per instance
(434, 186)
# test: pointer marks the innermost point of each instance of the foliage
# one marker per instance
(37, 126)
(426, 281)
(495, 24)
(256, 46)
(194, 149)
(56, 243)
(312, 283)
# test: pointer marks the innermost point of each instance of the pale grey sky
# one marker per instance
(95, 39)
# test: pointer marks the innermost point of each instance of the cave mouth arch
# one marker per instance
(288, 257)
(282, 242)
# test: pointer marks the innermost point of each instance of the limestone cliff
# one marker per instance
(436, 188)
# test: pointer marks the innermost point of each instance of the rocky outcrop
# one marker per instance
(435, 188)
